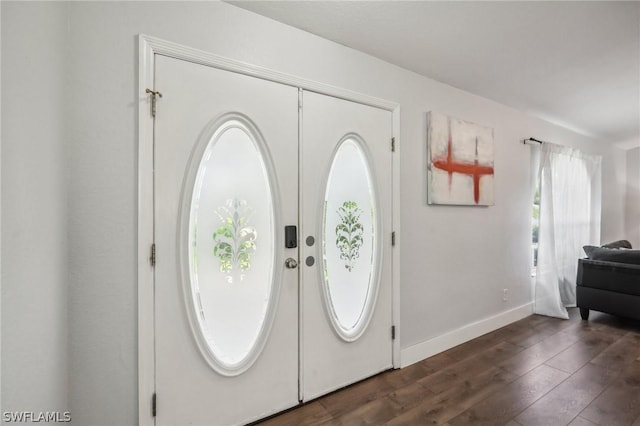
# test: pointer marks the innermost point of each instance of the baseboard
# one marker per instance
(434, 346)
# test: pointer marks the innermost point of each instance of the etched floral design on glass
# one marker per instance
(235, 240)
(349, 233)
(350, 247)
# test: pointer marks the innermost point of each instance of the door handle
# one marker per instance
(291, 263)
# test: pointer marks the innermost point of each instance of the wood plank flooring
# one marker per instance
(537, 371)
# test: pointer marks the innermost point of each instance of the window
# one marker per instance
(535, 230)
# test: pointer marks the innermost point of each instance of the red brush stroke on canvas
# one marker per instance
(474, 170)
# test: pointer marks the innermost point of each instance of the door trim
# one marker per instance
(148, 47)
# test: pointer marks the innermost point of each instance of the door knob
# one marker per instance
(291, 263)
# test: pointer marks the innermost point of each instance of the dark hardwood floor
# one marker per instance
(537, 371)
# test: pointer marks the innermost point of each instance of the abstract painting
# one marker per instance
(459, 162)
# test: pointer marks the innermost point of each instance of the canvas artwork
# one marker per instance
(460, 162)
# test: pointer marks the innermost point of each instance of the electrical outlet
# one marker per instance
(505, 294)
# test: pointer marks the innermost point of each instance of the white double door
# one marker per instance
(272, 210)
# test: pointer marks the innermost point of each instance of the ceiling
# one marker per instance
(574, 63)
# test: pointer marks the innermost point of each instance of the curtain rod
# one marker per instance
(528, 141)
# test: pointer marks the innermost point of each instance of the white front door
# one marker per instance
(346, 202)
(225, 186)
(233, 166)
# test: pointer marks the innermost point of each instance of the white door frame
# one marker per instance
(148, 47)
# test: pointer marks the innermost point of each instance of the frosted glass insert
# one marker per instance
(349, 240)
(231, 244)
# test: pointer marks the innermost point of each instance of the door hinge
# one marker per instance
(154, 406)
(154, 95)
(152, 257)
(393, 144)
(393, 238)
(299, 99)
(393, 332)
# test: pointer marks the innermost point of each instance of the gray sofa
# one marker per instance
(609, 281)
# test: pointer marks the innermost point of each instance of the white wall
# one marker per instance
(455, 260)
(34, 209)
(614, 178)
(1, 213)
(632, 213)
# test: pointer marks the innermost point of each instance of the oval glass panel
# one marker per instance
(350, 251)
(231, 247)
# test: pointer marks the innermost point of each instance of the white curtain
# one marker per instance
(569, 219)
